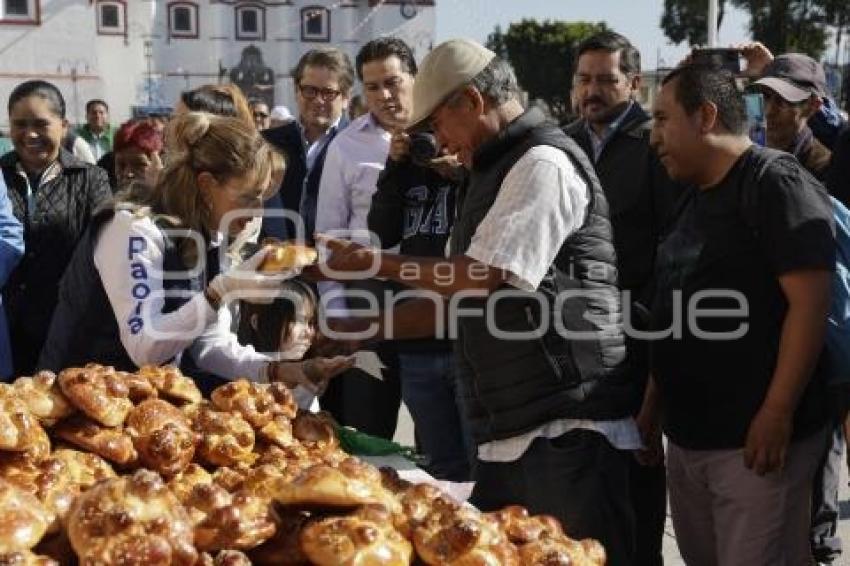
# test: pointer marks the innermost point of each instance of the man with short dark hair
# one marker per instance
(747, 266)
(614, 131)
(323, 79)
(540, 375)
(793, 86)
(356, 157)
(97, 131)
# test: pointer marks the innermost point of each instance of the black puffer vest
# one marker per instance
(84, 328)
(512, 386)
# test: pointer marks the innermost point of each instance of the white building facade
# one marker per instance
(140, 54)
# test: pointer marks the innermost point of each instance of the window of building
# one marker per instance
(182, 20)
(315, 24)
(250, 22)
(20, 11)
(111, 17)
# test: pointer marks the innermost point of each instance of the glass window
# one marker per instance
(109, 16)
(17, 7)
(182, 19)
(314, 23)
(250, 21)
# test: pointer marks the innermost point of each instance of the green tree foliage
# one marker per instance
(684, 20)
(542, 55)
(782, 25)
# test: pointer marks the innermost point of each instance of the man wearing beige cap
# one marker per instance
(533, 299)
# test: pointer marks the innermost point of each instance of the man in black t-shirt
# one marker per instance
(743, 291)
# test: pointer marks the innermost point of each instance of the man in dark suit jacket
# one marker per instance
(614, 132)
(323, 81)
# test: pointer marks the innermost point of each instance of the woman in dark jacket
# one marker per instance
(53, 195)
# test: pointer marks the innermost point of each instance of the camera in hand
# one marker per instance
(423, 148)
(724, 58)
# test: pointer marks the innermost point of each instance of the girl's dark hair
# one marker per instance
(273, 320)
(209, 100)
(41, 89)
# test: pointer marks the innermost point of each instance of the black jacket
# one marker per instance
(512, 386)
(414, 208)
(289, 139)
(640, 196)
(62, 210)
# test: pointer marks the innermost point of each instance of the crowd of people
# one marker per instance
(546, 299)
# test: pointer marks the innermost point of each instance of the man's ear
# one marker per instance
(254, 321)
(634, 84)
(707, 117)
(475, 99)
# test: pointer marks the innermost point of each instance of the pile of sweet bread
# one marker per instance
(103, 467)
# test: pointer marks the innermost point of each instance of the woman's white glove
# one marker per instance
(246, 283)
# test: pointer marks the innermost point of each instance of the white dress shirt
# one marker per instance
(355, 158)
(541, 202)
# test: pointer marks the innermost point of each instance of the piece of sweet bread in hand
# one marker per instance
(171, 383)
(113, 444)
(43, 397)
(23, 519)
(98, 391)
(133, 519)
(288, 256)
(366, 536)
(162, 436)
(223, 520)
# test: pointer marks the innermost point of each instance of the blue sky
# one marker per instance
(636, 19)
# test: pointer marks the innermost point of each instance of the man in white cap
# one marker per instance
(541, 374)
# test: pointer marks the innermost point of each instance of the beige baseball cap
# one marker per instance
(448, 67)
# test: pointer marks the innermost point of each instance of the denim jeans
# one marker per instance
(428, 389)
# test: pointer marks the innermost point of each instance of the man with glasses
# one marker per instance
(614, 132)
(323, 80)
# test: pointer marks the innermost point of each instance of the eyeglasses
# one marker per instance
(311, 92)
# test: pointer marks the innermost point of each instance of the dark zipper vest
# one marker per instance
(84, 328)
(513, 386)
